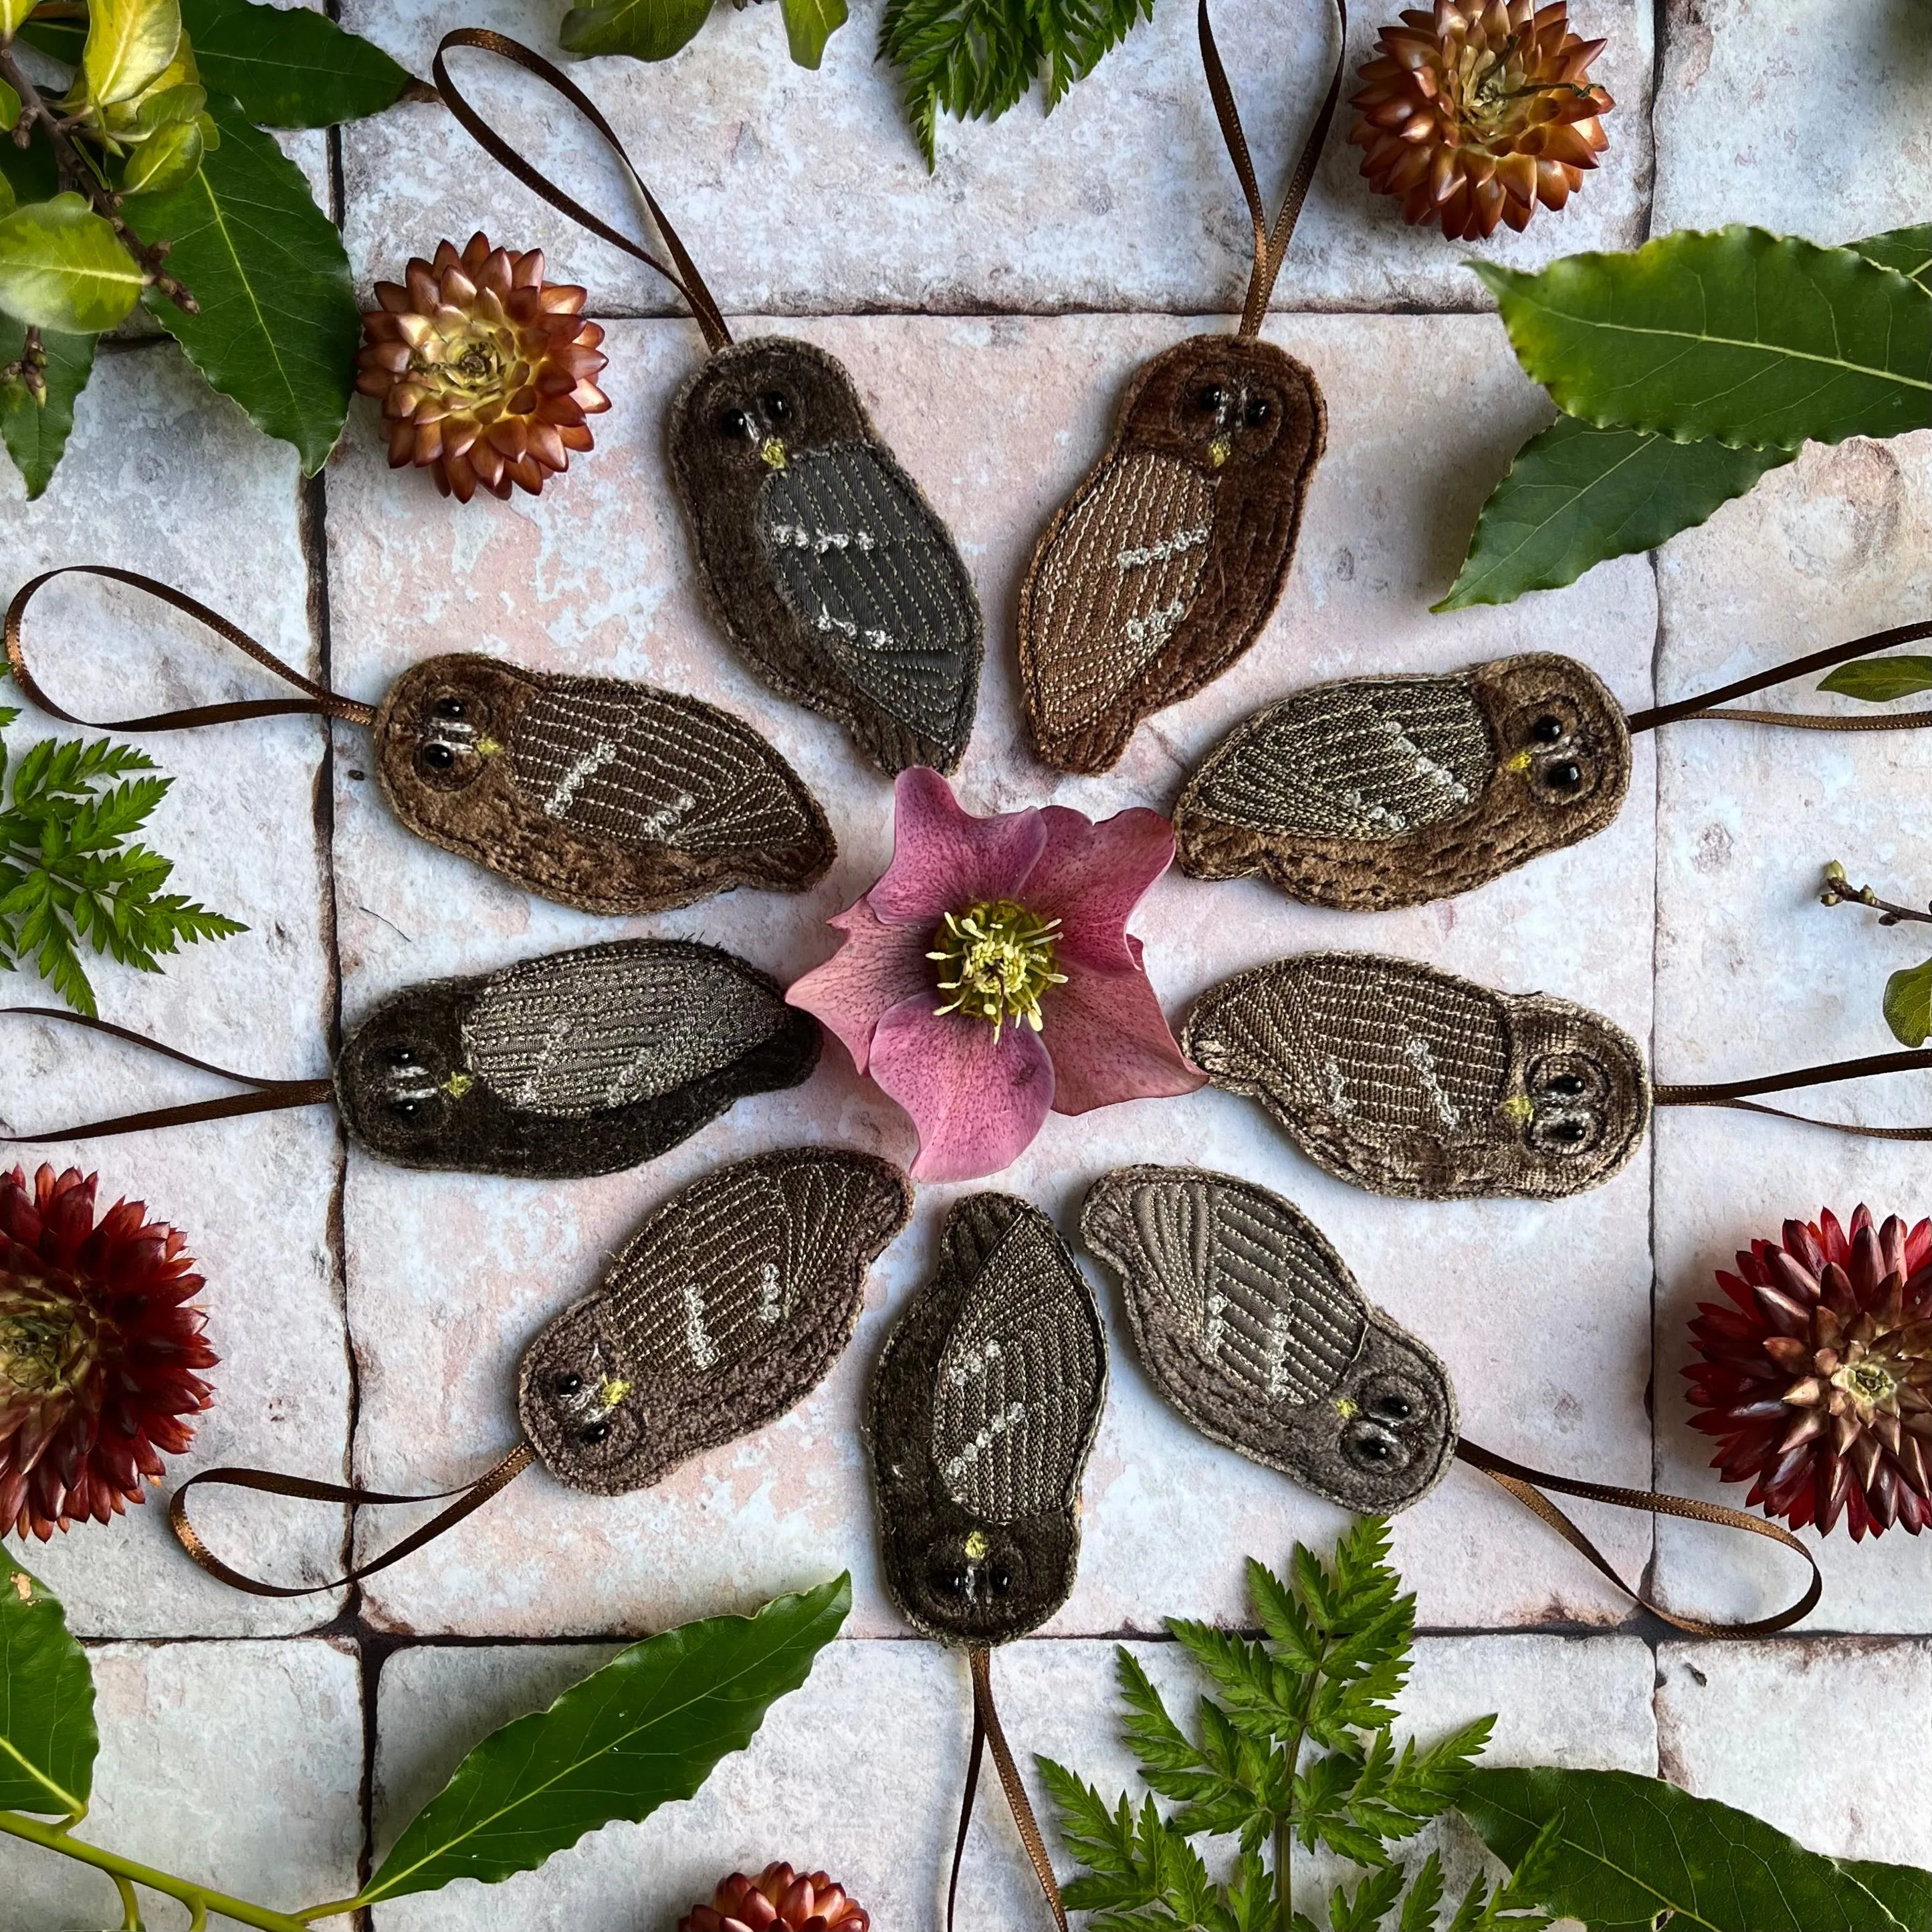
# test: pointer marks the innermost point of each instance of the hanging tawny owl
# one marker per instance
(1160, 569)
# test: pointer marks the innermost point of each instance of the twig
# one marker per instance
(29, 368)
(1839, 891)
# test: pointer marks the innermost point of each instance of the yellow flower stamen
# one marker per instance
(997, 961)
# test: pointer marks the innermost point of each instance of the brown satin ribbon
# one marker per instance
(269, 1096)
(1270, 245)
(469, 1499)
(1736, 1093)
(685, 279)
(1707, 703)
(1528, 1485)
(319, 702)
(986, 1729)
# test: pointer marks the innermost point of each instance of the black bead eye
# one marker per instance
(568, 1383)
(949, 1578)
(399, 1056)
(449, 707)
(1211, 398)
(1389, 1405)
(1547, 731)
(405, 1109)
(1568, 1133)
(1369, 1446)
(1567, 776)
(1258, 410)
(777, 406)
(1000, 1580)
(438, 757)
(594, 1433)
(736, 423)
(1566, 1086)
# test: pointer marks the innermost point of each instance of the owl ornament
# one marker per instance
(1160, 569)
(1251, 1325)
(1373, 793)
(1407, 1080)
(827, 568)
(557, 1068)
(724, 1310)
(609, 796)
(982, 1410)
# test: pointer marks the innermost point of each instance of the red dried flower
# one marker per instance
(779, 1899)
(1817, 1378)
(98, 1347)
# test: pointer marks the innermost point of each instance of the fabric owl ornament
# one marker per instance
(983, 1410)
(828, 569)
(1252, 1327)
(1406, 1080)
(1160, 569)
(604, 795)
(724, 1310)
(1373, 793)
(557, 1068)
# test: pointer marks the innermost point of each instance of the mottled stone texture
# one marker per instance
(991, 315)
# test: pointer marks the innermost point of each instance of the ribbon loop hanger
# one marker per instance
(1270, 245)
(986, 1730)
(684, 278)
(319, 701)
(1737, 1092)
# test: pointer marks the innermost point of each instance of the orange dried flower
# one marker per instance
(1474, 113)
(778, 1900)
(484, 370)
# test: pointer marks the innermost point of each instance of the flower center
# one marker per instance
(1869, 1382)
(41, 1353)
(995, 960)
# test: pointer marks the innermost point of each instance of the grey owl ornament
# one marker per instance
(829, 572)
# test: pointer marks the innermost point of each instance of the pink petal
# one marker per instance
(944, 859)
(977, 1105)
(1109, 1041)
(875, 967)
(1091, 876)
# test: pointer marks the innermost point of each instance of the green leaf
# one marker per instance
(1904, 1890)
(1748, 337)
(10, 116)
(651, 30)
(172, 157)
(129, 43)
(48, 1741)
(1879, 680)
(1908, 1004)
(13, 13)
(36, 433)
(290, 67)
(62, 267)
(1907, 250)
(278, 326)
(645, 1729)
(1630, 1848)
(31, 169)
(809, 24)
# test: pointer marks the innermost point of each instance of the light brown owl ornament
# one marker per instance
(1160, 569)
(610, 796)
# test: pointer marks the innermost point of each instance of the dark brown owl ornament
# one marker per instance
(573, 1064)
(1252, 1326)
(829, 572)
(1160, 569)
(724, 1310)
(982, 1412)
(1409, 1080)
(610, 796)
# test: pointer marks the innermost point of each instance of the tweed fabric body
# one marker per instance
(574, 1064)
(726, 1309)
(610, 796)
(1408, 1081)
(1380, 792)
(982, 1413)
(1252, 1326)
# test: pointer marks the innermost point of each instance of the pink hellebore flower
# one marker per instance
(988, 976)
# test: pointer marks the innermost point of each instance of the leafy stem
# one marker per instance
(1840, 891)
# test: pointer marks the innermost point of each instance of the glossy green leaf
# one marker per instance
(7, 197)
(1753, 338)
(652, 30)
(62, 267)
(290, 67)
(1908, 1004)
(1880, 680)
(130, 43)
(809, 24)
(48, 1741)
(1907, 250)
(645, 1729)
(1633, 1852)
(278, 327)
(165, 162)
(36, 433)
(12, 14)
(10, 108)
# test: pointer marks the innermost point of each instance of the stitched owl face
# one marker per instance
(1378, 792)
(1409, 1080)
(982, 1413)
(576, 1064)
(1252, 1326)
(1227, 406)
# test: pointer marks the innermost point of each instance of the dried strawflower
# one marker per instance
(780, 1899)
(1474, 113)
(1816, 1377)
(988, 977)
(484, 370)
(98, 1349)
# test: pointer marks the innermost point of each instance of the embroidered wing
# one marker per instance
(1369, 758)
(579, 1033)
(871, 574)
(1117, 580)
(643, 767)
(1019, 1380)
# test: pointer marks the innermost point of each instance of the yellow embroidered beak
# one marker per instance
(1219, 450)
(612, 1392)
(1344, 1407)
(976, 1545)
(772, 452)
(487, 748)
(1520, 764)
(458, 1084)
(1520, 1108)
